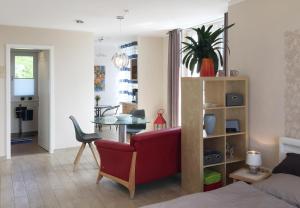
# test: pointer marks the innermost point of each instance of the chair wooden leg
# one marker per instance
(94, 152)
(131, 182)
(99, 177)
(78, 156)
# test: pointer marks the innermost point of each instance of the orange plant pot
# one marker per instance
(207, 68)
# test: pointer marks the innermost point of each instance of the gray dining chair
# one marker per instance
(136, 128)
(84, 139)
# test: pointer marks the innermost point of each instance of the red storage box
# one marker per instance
(213, 186)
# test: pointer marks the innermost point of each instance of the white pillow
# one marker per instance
(282, 186)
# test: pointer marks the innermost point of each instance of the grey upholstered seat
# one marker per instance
(81, 136)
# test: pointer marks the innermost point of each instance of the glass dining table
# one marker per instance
(122, 125)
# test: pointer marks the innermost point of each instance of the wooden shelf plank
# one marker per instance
(235, 107)
(215, 108)
(234, 160)
(213, 136)
(215, 164)
(237, 133)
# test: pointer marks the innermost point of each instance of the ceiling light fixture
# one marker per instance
(120, 59)
(79, 21)
(98, 48)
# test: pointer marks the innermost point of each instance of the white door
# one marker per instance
(44, 100)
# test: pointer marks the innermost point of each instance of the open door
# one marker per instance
(44, 100)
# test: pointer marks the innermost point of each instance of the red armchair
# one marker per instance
(148, 157)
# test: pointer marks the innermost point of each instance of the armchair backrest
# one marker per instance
(158, 154)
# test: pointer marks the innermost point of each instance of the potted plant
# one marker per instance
(97, 98)
(204, 50)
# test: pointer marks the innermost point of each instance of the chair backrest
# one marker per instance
(139, 114)
(158, 154)
(79, 133)
(115, 108)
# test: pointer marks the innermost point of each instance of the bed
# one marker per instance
(281, 190)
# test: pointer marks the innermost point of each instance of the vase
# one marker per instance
(207, 68)
(210, 123)
(97, 102)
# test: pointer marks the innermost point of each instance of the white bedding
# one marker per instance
(236, 195)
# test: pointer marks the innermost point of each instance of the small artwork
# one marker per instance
(99, 81)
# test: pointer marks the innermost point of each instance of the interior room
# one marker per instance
(151, 104)
(29, 101)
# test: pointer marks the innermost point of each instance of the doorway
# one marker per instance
(29, 100)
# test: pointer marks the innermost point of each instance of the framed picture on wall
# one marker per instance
(99, 80)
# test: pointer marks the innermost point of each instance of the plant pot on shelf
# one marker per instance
(207, 68)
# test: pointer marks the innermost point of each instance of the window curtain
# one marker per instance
(174, 63)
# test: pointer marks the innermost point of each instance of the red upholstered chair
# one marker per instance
(148, 157)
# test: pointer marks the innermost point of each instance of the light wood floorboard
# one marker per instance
(48, 181)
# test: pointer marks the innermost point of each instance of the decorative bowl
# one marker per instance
(123, 117)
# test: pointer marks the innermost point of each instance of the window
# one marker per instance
(24, 75)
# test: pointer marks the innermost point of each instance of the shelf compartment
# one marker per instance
(221, 169)
(236, 86)
(214, 92)
(238, 143)
(239, 114)
(215, 144)
(220, 115)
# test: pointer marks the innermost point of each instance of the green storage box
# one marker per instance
(211, 176)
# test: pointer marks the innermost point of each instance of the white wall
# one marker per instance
(44, 99)
(150, 76)
(258, 51)
(103, 54)
(73, 77)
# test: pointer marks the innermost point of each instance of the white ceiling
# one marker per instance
(145, 16)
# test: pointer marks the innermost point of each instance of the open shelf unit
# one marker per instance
(207, 95)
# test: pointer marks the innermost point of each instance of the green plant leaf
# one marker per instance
(194, 43)
(192, 64)
(185, 58)
(216, 61)
(187, 62)
(220, 57)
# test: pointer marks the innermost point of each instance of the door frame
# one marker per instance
(8, 93)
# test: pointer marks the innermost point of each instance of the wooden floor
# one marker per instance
(27, 148)
(44, 180)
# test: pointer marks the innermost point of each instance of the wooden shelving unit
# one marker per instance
(196, 92)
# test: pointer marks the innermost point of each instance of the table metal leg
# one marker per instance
(122, 133)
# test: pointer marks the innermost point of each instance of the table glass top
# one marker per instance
(128, 121)
(103, 106)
